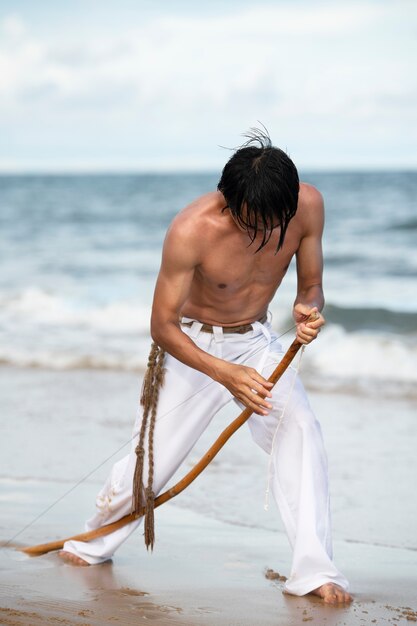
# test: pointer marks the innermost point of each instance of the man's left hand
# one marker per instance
(306, 332)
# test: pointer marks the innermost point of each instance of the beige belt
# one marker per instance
(239, 330)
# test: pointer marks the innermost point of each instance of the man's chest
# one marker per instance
(237, 267)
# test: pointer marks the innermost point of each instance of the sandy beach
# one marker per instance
(202, 572)
(216, 559)
(203, 139)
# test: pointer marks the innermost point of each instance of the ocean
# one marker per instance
(79, 258)
(80, 254)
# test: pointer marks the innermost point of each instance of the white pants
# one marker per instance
(188, 402)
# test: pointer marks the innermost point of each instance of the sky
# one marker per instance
(172, 85)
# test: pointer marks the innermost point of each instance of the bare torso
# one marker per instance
(231, 283)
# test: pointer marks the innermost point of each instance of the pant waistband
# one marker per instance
(239, 330)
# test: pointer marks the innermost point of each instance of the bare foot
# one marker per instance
(332, 594)
(72, 559)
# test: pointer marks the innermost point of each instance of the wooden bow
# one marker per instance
(184, 482)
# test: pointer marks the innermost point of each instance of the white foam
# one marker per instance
(34, 306)
(43, 329)
(359, 355)
(65, 360)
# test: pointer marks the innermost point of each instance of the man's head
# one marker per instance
(260, 184)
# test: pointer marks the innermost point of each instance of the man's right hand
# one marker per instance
(246, 385)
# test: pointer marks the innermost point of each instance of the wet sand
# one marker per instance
(203, 570)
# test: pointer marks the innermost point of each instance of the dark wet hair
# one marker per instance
(260, 184)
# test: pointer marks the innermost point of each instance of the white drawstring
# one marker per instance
(219, 339)
(195, 326)
(267, 335)
(269, 472)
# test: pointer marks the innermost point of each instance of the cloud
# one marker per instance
(296, 66)
(233, 50)
(13, 27)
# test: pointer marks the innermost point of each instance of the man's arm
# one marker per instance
(179, 260)
(309, 256)
(180, 257)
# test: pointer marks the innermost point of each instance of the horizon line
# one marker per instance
(142, 171)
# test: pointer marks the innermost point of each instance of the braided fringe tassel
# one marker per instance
(152, 383)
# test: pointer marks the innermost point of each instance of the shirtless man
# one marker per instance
(224, 257)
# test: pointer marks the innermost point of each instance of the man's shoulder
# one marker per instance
(187, 233)
(310, 210)
(309, 196)
(199, 217)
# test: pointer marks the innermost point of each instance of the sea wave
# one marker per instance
(35, 306)
(359, 348)
(410, 224)
(56, 360)
(362, 361)
(339, 360)
(372, 318)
